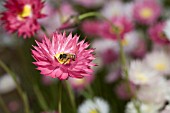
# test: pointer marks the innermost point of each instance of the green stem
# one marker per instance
(41, 99)
(71, 95)
(89, 14)
(21, 93)
(125, 71)
(60, 97)
(4, 107)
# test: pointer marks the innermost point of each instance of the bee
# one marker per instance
(65, 58)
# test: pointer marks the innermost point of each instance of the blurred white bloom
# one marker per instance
(97, 105)
(130, 42)
(7, 84)
(117, 8)
(166, 110)
(156, 92)
(103, 44)
(159, 61)
(113, 8)
(167, 28)
(143, 107)
(140, 74)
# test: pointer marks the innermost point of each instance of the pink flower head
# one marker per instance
(123, 25)
(91, 27)
(21, 16)
(63, 57)
(157, 34)
(146, 11)
(79, 84)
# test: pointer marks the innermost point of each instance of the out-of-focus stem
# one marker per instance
(19, 89)
(71, 95)
(40, 98)
(125, 70)
(4, 107)
(60, 97)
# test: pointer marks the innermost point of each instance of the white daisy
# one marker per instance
(140, 74)
(156, 92)
(117, 8)
(130, 42)
(101, 45)
(97, 105)
(132, 106)
(7, 84)
(167, 28)
(159, 61)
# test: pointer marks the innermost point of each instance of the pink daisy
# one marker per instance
(146, 11)
(21, 16)
(63, 57)
(157, 34)
(91, 27)
(123, 24)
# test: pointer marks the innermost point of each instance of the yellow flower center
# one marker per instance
(160, 67)
(124, 42)
(79, 81)
(64, 58)
(142, 77)
(26, 12)
(116, 29)
(94, 111)
(146, 13)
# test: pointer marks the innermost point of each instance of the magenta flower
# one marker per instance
(21, 16)
(146, 11)
(63, 57)
(123, 24)
(157, 34)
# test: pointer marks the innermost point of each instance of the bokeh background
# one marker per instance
(107, 82)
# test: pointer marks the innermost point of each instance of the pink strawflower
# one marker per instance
(80, 84)
(123, 24)
(156, 33)
(63, 57)
(146, 11)
(21, 16)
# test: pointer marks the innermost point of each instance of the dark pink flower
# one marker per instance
(146, 11)
(91, 27)
(123, 24)
(157, 34)
(63, 57)
(21, 16)
(124, 91)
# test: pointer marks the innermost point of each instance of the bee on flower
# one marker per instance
(63, 57)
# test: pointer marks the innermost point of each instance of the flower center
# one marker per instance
(79, 81)
(141, 77)
(65, 58)
(160, 67)
(146, 13)
(26, 12)
(117, 29)
(124, 42)
(94, 111)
